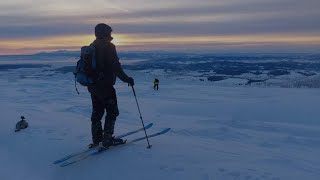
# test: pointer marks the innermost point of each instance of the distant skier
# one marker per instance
(103, 94)
(156, 84)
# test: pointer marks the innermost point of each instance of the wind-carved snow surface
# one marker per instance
(222, 133)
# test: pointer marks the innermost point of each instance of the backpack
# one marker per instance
(86, 69)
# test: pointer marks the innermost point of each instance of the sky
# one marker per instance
(30, 26)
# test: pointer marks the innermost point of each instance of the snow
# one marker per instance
(217, 132)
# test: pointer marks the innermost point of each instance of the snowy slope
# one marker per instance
(217, 132)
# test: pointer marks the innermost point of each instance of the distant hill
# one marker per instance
(76, 54)
(42, 55)
(58, 53)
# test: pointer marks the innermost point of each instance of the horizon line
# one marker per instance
(159, 51)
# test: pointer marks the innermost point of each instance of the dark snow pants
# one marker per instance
(156, 87)
(99, 106)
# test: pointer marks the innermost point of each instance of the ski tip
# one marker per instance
(149, 125)
(166, 130)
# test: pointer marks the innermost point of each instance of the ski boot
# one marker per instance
(109, 141)
(93, 145)
(117, 141)
(106, 142)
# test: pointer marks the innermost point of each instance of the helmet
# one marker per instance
(102, 30)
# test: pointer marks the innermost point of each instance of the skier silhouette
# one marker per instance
(103, 94)
(156, 84)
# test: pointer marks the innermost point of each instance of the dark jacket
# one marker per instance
(108, 66)
(156, 81)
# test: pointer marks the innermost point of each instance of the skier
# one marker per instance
(103, 94)
(156, 84)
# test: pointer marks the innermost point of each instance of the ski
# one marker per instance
(98, 151)
(92, 149)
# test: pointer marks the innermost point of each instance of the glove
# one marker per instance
(130, 81)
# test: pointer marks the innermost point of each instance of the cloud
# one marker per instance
(25, 19)
(209, 25)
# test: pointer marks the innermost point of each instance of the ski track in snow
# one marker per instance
(217, 132)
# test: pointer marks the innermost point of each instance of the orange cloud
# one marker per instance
(149, 41)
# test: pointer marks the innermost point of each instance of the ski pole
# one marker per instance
(145, 132)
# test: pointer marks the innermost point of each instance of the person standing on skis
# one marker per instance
(156, 84)
(103, 94)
